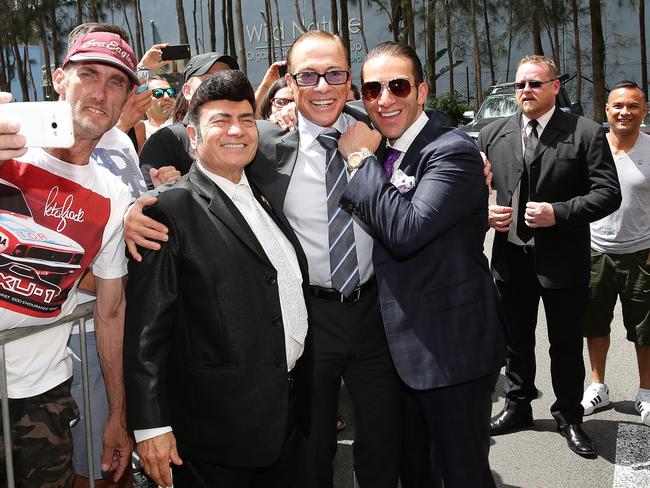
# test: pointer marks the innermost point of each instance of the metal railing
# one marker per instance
(80, 314)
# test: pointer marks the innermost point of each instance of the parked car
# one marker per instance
(501, 103)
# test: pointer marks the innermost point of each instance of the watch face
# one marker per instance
(354, 161)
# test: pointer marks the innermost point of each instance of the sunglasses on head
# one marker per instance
(311, 78)
(281, 102)
(160, 92)
(400, 87)
(534, 84)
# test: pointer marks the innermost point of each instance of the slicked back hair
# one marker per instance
(391, 48)
(630, 85)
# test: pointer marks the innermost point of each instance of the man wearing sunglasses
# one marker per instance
(425, 203)
(554, 174)
(159, 114)
(297, 170)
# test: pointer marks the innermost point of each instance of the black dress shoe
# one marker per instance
(510, 418)
(578, 440)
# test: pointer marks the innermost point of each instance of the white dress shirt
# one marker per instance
(512, 232)
(284, 260)
(406, 139)
(305, 206)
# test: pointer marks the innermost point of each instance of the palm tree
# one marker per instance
(212, 24)
(536, 10)
(240, 38)
(644, 59)
(182, 27)
(478, 86)
(488, 41)
(578, 53)
(598, 60)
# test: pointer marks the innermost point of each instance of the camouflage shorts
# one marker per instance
(42, 439)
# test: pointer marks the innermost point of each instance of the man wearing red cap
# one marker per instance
(76, 206)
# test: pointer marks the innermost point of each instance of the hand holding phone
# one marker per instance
(43, 124)
(12, 144)
(180, 51)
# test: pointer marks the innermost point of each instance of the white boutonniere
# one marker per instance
(402, 181)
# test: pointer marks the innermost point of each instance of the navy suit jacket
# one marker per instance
(437, 297)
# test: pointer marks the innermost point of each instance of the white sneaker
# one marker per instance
(595, 396)
(643, 407)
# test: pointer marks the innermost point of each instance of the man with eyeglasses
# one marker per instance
(425, 203)
(554, 174)
(298, 170)
(170, 145)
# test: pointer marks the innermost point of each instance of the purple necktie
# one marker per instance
(391, 156)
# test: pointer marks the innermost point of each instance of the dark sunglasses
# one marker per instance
(399, 87)
(311, 78)
(534, 84)
(160, 92)
(281, 102)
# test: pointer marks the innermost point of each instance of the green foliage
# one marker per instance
(452, 104)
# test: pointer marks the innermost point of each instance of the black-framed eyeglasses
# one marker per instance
(533, 84)
(279, 102)
(400, 87)
(311, 78)
(160, 92)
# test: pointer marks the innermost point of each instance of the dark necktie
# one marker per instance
(343, 254)
(390, 157)
(524, 232)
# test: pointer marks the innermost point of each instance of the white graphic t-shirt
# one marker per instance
(56, 220)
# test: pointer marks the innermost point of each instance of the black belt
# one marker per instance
(332, 294)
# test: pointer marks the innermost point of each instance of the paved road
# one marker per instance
(539, 457)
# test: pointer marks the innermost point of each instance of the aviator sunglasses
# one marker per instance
(400, 87)
(534, 84)
(160, 92)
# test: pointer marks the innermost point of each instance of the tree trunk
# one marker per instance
(80, 12)
(232, 48)
(269, 29)
(240, 38)
(598, 60)
(4, 68)
(644, 58)
(510, 29)
(431, 48)
(488, 42)
(42, 31)
(182, 27)
(224, 25)
(212, 23)
(18, 62)
(128, 25)
(450, 46)
(196, 30)
(301, 22)
(335, 17)
(478, 86)
(139, 28)
(94, 13)
(409, 23)
(578, 54)
(536, 10)
(363, 34)
(313, 13)
(280, 54)
(55, 32)
(345, 26)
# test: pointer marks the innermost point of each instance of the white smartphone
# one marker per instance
(44, 124)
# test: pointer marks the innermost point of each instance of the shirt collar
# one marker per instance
(308, 131)
(405, 140)
(542, 121)
(227, 186)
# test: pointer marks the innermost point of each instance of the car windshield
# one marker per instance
(496, 106)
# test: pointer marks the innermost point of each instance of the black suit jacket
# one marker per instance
(437, 297)
(577, 176)
(204, 343)
(276, 158)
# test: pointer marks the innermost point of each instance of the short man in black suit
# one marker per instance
(554, 174)
(426, 207)
(217, 320)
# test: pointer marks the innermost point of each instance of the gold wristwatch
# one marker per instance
(357, 159)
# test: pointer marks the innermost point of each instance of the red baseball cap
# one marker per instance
(104, 47)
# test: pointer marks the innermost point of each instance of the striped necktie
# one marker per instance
(343, 254)
(524, 232)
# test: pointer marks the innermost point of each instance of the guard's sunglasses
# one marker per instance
(400, 87)
(160, 92)
(533, 84)
(311, 78)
